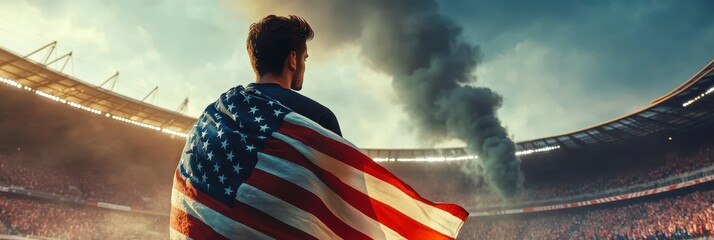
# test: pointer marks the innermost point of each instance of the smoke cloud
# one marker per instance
(431, 66)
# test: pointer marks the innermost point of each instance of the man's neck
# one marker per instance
(283, 81)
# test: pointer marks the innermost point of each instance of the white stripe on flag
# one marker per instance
(433, 217)
(221, 224)
(307, 180)
(285, 212)
(300, 120)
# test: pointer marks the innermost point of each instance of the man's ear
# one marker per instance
(292, 61)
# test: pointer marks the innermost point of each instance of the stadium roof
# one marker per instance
(58, 86)
(685, 107)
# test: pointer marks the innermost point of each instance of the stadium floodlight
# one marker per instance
(11, 82)
(175, 133)
(537, 150)
(92, 110)
(457, 158)
(140, 124)
(426, 159)
(70, 103)
(700, 96)
(149, 126)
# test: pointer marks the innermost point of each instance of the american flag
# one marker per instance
(253, 169)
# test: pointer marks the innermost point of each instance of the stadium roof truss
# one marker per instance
(59, 86)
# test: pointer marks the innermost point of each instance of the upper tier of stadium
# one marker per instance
(684, 108)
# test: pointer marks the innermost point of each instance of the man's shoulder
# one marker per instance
(289, 98)
(300, 104)
(309, 103)
(312, 103)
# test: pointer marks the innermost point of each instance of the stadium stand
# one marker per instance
(87, 184)
(86, 158)
(30, 217)
(654, 168)
(686, 216)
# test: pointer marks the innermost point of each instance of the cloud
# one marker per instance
(547, 91)
(170, 44)
(581, 63)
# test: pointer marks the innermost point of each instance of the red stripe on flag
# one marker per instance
(359, 161)
(240, 212)
(383, 213)
(192, 227)
(303, 199)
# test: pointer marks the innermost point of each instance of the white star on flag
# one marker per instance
(264, 127)
(237, 168)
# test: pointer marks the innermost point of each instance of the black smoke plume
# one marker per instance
(431, 66)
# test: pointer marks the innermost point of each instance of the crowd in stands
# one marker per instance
(674, 164)
(448, 188)
(84, 184)
(682, 217)
(153, 195)
(669, 218)
(57, 220)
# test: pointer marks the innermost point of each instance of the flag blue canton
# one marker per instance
(221, 149)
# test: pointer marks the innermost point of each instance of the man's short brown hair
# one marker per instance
(272, 39)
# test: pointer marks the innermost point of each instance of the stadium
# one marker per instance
(79, 161)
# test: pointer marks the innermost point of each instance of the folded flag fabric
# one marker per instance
(253, 169)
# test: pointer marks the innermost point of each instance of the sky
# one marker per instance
(559, 66)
